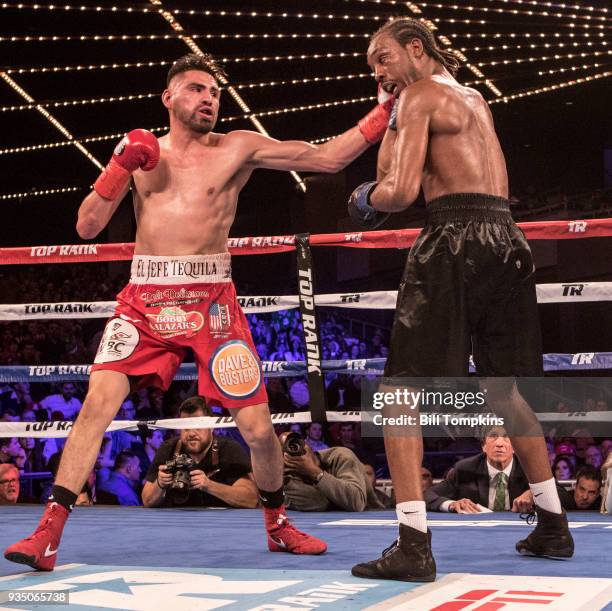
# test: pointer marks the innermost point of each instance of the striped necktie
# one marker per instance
(500, 492)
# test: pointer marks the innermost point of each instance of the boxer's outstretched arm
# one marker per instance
(301, 156)
(400, 187)
(139, 149)
(95, 212)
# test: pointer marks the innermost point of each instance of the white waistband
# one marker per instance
(189, 269)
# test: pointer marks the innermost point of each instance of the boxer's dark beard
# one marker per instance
(198, 125)
(192, 121)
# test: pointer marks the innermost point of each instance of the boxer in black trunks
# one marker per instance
(467, 286)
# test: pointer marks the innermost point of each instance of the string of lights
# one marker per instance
(49, 117)
(143, 96)
(506, 77)
(523, 2)
(221, 36)
(39, 192)
(570, 69)
(543, 58)
(274, 36)
(155, 64)
(549, 88)
(80, 102)
(486, 9)
(526, 34)
(304, 107)
(225, 13)
(62, 143)
(576, 7)
(546, 45)
(201, 12)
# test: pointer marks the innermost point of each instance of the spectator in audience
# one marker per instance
(585, 493)
(493, 479)
(314, 436)
(299, 394)
(380, 500)
(9, 484)
(221, 476)
(563, 469)
(104, 462)
(277, 396)
(326, 480)
(10, 449)
(426, 479)
(123, 440)
(550, 446)
(151, 441)
(606, 448)
(348, 438)
(64, 402)
(593, 457)
(33, 460)
(123, 481)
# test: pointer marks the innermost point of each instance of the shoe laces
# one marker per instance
(529, 517)
(391, 548)
(43, 525)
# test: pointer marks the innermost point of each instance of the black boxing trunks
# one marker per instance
(176, 303)
(467, 288)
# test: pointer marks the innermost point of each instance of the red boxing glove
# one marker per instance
(138, 149)
(374, 125)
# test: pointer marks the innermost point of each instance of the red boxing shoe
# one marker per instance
(40, 550)
(284, 537)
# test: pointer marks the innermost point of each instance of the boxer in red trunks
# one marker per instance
(185, 187)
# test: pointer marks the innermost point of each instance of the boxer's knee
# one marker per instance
(260, 436)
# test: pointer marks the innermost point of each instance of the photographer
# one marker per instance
(324, 480)
(199, 470)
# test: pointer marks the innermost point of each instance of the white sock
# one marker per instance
(545, 495)
(412, 513)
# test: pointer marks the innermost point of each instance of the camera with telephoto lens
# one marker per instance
(294, 445)
(180, 466)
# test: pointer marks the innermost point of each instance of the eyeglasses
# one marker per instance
(3, 482)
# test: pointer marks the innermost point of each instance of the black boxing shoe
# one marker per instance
(409, 558)
(550, 538)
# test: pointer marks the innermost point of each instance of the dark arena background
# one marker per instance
(74, 79)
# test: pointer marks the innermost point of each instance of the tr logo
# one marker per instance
(577, 226)
(583, 358)
(571, 290)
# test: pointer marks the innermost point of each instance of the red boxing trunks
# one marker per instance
(176, 303)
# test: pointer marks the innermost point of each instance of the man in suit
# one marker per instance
(491, 480)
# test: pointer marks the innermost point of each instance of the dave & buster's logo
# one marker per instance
(175, 321)
(235, 370)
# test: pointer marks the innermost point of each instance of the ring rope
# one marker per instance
(396, 238)
(376, 300)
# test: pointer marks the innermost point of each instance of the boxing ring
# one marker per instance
(136, 558)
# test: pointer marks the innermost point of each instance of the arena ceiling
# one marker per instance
(76, 77)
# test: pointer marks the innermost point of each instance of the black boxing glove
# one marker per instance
(360, 209)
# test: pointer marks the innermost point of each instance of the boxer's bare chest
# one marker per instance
(191, 196)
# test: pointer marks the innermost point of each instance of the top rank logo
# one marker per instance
(69, 250)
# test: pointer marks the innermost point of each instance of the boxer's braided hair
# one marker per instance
(194, 61)
(404, 30)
